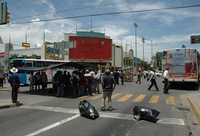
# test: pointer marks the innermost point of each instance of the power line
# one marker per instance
(111, 13)
(64, 10)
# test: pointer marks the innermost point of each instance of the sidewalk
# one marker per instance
(6, 87)
(6, 103)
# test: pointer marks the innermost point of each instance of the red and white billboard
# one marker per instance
(90, 48)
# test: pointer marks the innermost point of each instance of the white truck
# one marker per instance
(183, 64)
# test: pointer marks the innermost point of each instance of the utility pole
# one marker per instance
(151, 50)
(90, 23)
(44, 37)
(26, 37)
(143, 40)
(76, 27)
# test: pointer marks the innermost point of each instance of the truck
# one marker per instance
(183, 65)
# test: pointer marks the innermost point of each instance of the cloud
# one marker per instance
(35, 20)
(173, 39)
(36, 29)
(114, 31)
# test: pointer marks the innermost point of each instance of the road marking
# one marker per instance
(53, 109)
(114, 96)
(123, 116)
(95, 97)
(171, 121)
(195, 107)
(124, 98)
(139, 98)
(171, 100)
(56, 124)
(154, 99)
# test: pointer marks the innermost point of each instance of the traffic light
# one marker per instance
(4, 14)
(193, 40)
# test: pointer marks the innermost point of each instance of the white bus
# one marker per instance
(183, 64)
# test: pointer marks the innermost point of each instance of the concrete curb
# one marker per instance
(10, 106)
(195, 108)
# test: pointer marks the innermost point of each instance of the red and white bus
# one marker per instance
(183, 64)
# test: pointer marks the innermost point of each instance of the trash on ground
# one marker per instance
(86, 109)
(145, 113)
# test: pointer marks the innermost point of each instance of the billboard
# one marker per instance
(57, 50)
(90, 49)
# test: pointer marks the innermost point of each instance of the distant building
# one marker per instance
(3, 61)
(27, 52)
(8, 47)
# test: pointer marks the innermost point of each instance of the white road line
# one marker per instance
(54, 109)
(123, 116)
(53, 125)
(172, 121)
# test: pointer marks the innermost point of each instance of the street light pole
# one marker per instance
(44, 36)
(135, 26)
(143, 48)
(151, 50)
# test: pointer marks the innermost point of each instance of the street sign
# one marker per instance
(25, 45)
(195, 39)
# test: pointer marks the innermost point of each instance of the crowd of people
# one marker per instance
(38, 81)
(81, 82)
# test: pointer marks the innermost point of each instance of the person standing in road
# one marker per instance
(1, 79)
(108, 85)
(166, 80)
(139, 76)
(15, 84)
(153, 81)
(44, 80)
(31, 80)
(116, 77)
(122, 77)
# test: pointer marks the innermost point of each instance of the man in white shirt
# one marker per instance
(166, 80)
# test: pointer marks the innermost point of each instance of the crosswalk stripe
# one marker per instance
(139, 98)
(114, 96)
(124, 98)
(154, 99)
(171, 100)
(95, 97)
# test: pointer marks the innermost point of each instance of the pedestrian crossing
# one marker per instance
(136, 98)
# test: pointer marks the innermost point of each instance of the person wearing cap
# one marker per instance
(108, 85)
(15, 83)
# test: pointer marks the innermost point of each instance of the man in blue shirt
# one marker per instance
(15, 83)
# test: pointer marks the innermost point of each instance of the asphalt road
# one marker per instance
(49, 116)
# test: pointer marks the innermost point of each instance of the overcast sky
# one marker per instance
(167, 29)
